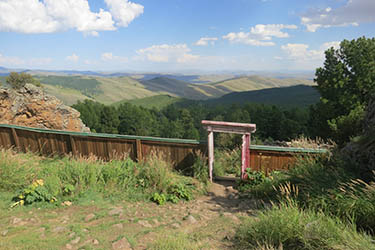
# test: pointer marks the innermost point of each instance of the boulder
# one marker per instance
(30, 106)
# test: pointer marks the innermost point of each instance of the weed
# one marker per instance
(160, 199)
(36, 192)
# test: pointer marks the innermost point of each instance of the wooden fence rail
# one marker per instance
(106, 146)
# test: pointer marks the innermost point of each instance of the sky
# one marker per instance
(178, 35)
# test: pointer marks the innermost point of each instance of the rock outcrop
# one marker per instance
(30, 106)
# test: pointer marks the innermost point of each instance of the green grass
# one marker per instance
(289, 227)
(325, 184)
(175, 241)
(79, 179)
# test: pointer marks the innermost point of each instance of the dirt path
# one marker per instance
(208, 222)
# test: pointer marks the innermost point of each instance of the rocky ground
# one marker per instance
(208, 222)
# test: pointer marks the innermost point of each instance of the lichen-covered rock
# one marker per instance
(30, 106)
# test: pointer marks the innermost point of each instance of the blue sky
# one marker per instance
(177, 35)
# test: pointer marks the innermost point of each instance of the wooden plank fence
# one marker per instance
(181, 153)
(47, 142)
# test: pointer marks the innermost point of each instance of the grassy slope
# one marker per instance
(115, 89)
(67, 95)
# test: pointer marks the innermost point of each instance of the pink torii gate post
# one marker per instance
(229, 127)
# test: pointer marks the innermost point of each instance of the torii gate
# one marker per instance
(229, 127)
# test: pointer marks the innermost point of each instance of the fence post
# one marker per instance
(210, 153)
(138, 147)
(15, 138)
(73, 145)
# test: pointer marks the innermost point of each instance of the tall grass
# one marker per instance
(227, 162)
(70, 178)
(325, 184)
(16, 171)
(286, 226)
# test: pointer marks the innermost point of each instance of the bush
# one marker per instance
(18, 80)
(288, 227)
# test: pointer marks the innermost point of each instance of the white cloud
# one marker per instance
(167, 53)
(352, 13)
(205, 40)
(260, 35)
(9, 60)
(124, 11)
(12, 61)
(108, 56)
(301, 52)
(72, 58)
(34, 16)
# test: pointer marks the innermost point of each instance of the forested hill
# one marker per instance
(300, 95)
(109, 90)
(288, 97)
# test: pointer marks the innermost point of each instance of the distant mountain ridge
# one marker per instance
(107, 89)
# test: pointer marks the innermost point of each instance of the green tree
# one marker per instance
(18, 80)
(109, 120)
(346, 83)
(90, 113)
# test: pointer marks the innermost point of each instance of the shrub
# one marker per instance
(18, 80)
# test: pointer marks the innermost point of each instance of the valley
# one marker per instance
(114, 89)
